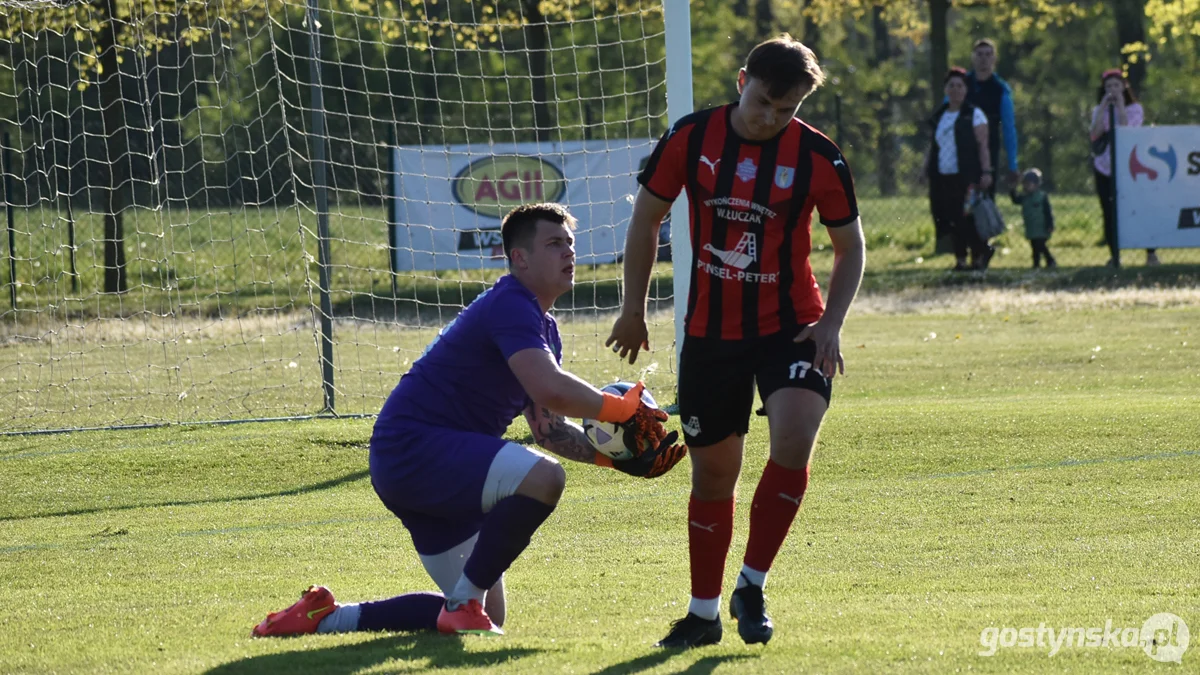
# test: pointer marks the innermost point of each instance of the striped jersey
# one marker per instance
(751, 206)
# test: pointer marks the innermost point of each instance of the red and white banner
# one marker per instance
(1158, 186)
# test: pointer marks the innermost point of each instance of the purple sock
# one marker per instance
(408, 612)
(505, 533)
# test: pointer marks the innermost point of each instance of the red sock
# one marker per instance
(776, 501)
(710, 531)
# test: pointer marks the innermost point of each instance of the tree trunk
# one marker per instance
(1131, 28)
(536, 42)
(812, 33)
(881, 53)
(938, 49)
(113, 194)
(764, 20)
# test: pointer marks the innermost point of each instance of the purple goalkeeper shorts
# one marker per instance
(433, 479)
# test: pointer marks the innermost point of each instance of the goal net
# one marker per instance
(245, 210)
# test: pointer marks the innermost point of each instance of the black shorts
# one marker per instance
(717, 377)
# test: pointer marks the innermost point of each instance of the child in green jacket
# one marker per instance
(1039, 218)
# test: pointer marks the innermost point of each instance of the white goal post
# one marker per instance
(679, 103)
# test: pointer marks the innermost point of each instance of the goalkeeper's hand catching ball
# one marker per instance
(656, 461)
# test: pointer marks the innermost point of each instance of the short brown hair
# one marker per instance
(520, 225)
(984, 42)
(784, 63)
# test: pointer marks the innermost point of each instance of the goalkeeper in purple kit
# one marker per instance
(470, 499)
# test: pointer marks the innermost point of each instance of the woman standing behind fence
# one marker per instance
(1116, 94)
(959, 161)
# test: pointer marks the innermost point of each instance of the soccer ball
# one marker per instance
(608, 438)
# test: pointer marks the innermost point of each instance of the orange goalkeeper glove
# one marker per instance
(645, 430)
(618, 409)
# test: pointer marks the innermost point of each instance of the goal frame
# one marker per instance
(677, 24)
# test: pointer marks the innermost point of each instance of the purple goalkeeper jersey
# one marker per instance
(463, 381)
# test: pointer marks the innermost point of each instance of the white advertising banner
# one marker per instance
(450, 199)
(1158, 186)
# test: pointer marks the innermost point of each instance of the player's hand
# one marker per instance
(645, 428)
(656, 462)
(828, 339)
(985, 181)
(629, 334)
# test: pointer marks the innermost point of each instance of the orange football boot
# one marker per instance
(315, 604)
(467, 619)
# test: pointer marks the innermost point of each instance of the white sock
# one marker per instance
(344, 619)
(709, 608)
(464, 591)
(751, 577)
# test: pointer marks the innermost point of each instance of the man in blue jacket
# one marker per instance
(991, 94)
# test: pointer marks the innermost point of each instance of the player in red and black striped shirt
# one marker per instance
(754, 174)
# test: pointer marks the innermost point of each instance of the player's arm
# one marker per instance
(833, 189)
(849, 260)
(838, 206)
(641, 248)
(558, 434)
(551, 387)
(661, 182)
(562, 392)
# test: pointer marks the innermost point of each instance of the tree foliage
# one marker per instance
(144, 27)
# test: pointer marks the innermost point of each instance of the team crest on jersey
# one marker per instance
(784, 176)
(747, 170)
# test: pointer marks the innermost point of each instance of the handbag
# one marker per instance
(1100, 145)
(988, 221)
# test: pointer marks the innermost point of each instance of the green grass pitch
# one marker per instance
(983, 470)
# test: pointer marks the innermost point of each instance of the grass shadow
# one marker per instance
(708, 664)
(637, 665)
(439, 651)
(303, 489)
(703, 666)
